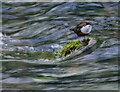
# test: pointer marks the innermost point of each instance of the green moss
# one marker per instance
(74, 45)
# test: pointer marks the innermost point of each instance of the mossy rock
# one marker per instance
(76, 46)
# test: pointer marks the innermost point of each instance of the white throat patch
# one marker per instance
(87, 29)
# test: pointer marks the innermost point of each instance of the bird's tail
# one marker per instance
(72, 29)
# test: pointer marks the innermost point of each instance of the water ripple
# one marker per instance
(33, 32)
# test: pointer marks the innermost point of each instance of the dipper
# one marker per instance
(83, 28)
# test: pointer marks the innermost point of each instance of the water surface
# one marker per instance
(33, 32)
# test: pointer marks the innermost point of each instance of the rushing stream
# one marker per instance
(33, 32)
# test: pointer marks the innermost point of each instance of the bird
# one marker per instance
(82, 29)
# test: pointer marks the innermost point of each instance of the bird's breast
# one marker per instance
(86, 29)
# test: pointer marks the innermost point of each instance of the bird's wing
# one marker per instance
(77, 28)
(79, 25)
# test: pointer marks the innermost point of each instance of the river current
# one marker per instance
(33, 31)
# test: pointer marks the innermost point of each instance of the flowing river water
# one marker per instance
(32, 32)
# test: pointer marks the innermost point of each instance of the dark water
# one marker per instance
(33, 32)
